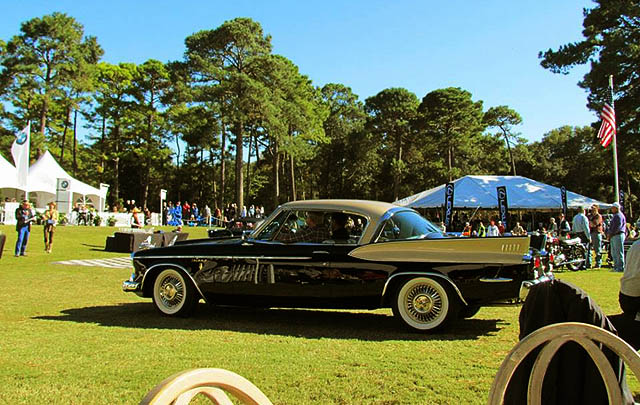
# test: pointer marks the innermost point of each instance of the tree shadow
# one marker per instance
(313, 324)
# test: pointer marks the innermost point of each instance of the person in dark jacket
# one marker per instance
(24, 216)
(572, 377)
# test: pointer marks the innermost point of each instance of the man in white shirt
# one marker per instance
(580, 228)
(492, 229)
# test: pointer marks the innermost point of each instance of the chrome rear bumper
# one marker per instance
(526, 285)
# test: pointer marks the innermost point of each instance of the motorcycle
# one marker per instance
(566, 251)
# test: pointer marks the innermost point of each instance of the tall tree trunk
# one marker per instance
(147, 163)
(238, 129)
(75, 142)
(214, 192)
(248, 175)
(102, 147)
(327, 177)
(116, 163)
(292, 177)
(64, 134)
(178, 151)
(450, 161)
(275, 168)
(223, 166)
(629, 205)
(513, 162)
(396, 175)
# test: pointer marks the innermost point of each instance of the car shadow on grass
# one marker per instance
(314, 324)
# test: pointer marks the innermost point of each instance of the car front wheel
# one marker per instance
(174, 294)
(423, 304)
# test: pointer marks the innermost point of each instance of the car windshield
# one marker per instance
(407, 225)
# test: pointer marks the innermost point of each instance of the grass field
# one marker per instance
(70, 335)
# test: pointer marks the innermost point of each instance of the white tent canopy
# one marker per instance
(9, 181)
(43, 177)
(480, 191)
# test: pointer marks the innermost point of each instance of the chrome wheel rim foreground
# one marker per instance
(424, 304)
(170, 291)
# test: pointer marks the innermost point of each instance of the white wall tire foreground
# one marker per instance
(424, 304)
(174, 294)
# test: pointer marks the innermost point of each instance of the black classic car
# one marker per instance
(342, 254)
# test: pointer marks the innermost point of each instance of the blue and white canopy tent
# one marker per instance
(471, 192)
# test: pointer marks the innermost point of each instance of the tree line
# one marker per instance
(233, 122)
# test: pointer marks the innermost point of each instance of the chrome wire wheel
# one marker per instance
(172, 293)
(422, 304)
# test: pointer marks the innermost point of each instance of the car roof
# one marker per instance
(372, 209)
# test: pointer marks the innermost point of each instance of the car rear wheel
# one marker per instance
(423, 304)
(174, 294)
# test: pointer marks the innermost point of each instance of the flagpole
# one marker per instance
(615, 148)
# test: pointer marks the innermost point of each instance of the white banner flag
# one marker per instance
(20, 153)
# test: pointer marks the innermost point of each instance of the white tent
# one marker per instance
(480, 191)
(42, 183)
(9, 181)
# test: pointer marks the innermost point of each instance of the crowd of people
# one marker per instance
(183, 213)
(588, 224)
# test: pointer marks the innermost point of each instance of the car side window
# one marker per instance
(272, 227)
(407, 225)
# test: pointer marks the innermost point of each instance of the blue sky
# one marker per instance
(488, 48)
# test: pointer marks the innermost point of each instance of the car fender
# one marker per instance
(156, 268)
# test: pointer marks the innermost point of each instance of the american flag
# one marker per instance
(608, 128)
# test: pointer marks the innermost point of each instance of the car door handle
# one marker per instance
(320, 253)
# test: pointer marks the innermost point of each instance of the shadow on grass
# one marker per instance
(313, 324)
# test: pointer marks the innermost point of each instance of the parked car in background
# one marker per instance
(365, 255)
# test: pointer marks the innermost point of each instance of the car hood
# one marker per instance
(191, 246)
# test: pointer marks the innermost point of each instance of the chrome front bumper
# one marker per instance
(526, 285)
(131, 286)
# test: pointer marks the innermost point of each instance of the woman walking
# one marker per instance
(50, 218)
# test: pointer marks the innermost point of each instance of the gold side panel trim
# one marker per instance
(507, 250)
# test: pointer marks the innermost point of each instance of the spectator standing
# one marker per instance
(207, 214)
(616, 236)
(596, 228)
(553, 227)
(564, 227)
(135, 219)
(501, 228)
(24, 216)
(186, 211)
(518, 230)
(492, 229)
(482, 231)
(580, 225)
(50, 219)
(165, 213)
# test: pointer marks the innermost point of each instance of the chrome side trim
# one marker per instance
(496, 280)
(225, 257)
(175, 266)
(438, 275)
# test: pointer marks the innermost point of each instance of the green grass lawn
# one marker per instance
(70, 335)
